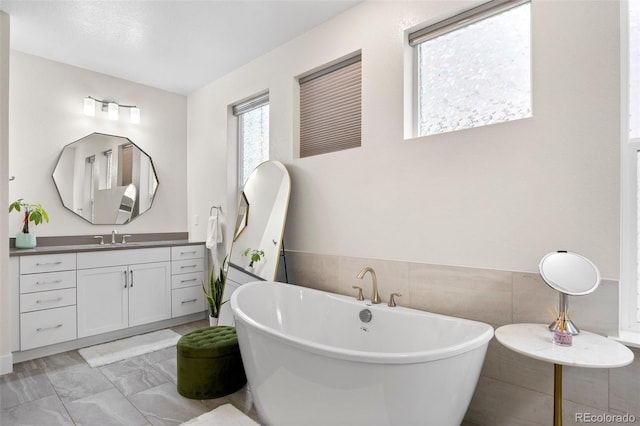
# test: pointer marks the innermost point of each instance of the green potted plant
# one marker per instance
(254, 254)
(215, 291)
(32, 213)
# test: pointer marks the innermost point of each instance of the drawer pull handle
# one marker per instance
(125, 279)
(188, 266)
(48, 328)
(49, 263)
(49, 300)
(186, 281)
(188, 252)
(131, 273)
(48, 282)
(189, 301)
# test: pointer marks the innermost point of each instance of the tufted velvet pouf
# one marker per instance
(209, 363)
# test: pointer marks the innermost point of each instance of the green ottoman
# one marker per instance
(209, 363)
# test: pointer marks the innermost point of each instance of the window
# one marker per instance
(253, 134)
(473, 69)
(108, 156)
(330, 108)
(630, 151)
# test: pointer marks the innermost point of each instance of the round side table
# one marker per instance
(588, 350)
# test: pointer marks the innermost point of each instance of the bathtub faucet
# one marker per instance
(375, 297)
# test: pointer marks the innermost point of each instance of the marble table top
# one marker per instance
(588, 349)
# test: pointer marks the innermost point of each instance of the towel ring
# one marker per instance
(218, 208)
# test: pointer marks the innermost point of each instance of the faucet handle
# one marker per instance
(392, 299)
(124, 238)
(360, 295)
(101, 239)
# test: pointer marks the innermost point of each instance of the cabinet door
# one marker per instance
(149, 293)
(102, 300)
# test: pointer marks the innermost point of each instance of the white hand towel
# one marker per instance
(220, 227)
(213, 226)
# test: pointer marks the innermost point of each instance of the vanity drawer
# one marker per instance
(47, 300)
(188, 300)
(47, 281)
(187, 266)
(102, 259)
(47, 263)
(187, 252)
(47, 327)
(187, 280)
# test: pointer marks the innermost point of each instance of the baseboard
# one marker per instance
(6, 364)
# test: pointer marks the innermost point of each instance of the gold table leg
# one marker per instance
(557, 395)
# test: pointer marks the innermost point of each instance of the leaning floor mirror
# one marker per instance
(261, 216)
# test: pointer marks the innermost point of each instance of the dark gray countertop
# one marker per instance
(74, 248)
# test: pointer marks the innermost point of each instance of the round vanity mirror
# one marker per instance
(569, 273)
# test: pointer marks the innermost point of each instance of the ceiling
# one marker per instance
(174, 45)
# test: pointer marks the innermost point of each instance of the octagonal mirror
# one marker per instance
(105, 179)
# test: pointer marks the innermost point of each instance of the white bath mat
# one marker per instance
(127, 348)
(225, 415)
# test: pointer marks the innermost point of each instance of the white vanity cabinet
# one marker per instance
(47, 302)
(235, 278)
(187, 276)
(122, 288)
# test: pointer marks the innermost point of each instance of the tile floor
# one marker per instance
(63, 390)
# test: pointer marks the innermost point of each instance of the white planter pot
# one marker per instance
(213, 321)
(25, 240)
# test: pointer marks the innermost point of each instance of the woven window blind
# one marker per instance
(330, 109)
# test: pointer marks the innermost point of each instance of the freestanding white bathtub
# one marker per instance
(311, 360)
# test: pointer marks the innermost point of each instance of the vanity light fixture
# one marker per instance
(112, 109)
(89, 106)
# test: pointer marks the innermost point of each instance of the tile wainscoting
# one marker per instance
(513, 389)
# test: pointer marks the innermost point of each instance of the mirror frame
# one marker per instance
(280, 241)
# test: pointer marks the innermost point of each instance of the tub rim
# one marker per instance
(482, 339)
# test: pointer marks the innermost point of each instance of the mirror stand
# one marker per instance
(563, 311)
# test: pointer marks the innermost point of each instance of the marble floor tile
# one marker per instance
(63, 390)
(47, 411)
(133, 375)
(168, 367)
(61, 361)
(108, 408)
(190, 326)
(23, 386)
(164, 406)
(78, 382)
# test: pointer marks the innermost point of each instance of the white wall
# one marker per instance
(5, 355)
(46, 113)
(499, 197)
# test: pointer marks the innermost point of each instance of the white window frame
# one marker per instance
(629, 149)
(453, 23)
(238, 110)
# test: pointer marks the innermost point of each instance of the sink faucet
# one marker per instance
(375, 297)
(113, 236)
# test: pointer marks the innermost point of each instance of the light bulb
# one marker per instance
(135, 115)
(112, 109)
(89, 106)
